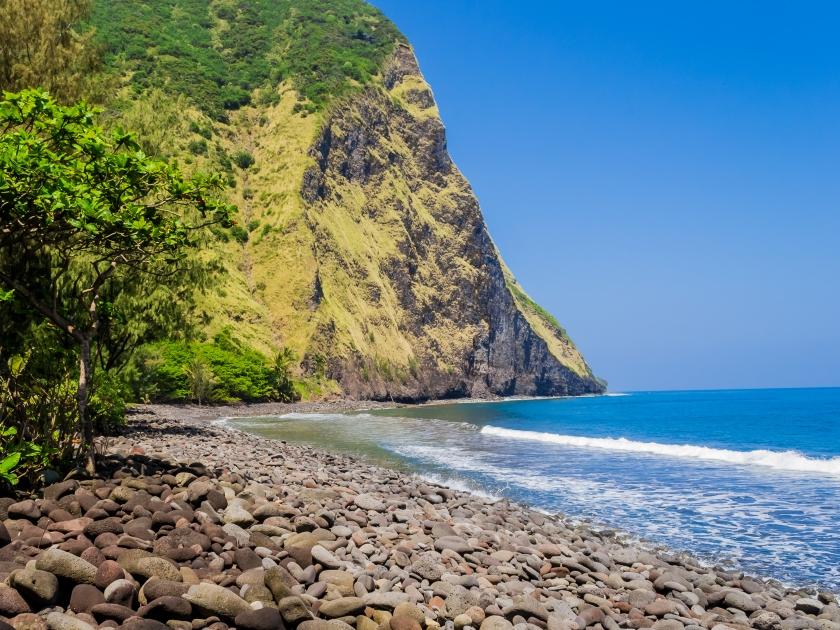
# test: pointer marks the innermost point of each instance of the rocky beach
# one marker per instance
(189, 524)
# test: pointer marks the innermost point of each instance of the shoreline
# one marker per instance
(194, 413)
(204, 526)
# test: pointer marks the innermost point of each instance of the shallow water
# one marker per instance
(749, 476)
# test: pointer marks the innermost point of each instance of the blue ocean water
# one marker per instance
(750, 477)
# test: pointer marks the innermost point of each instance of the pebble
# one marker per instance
(194, 511)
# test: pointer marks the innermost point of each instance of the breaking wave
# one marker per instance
(780, 460)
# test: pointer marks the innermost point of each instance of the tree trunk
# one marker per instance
(85, 377)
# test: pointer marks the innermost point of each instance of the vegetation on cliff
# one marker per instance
(218, 53)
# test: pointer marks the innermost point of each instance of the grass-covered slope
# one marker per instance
(359, 245)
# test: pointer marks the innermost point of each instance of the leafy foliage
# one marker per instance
(37, 414)
(84, 214)
(40, 47)
(216, 53)
(225, 370)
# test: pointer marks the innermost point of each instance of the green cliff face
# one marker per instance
(359, 245)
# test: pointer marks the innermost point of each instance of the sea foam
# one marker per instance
(780, 460)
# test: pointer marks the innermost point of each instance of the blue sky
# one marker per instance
(663, 177)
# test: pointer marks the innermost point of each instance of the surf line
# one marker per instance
(780, 460)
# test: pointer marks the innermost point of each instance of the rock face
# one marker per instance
(384, 175)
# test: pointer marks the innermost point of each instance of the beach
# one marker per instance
(191, 524)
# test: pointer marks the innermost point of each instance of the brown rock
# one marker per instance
(403, 622)
(29, 621)
(108, 571)
(84, 597)
(11, 603)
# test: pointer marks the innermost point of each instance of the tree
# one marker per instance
(284, 381)
(200, 378)
(39, 47)
(80, 212)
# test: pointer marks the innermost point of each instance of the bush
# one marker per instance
(224, 370)
(243, 160)
(198, 147)
(253, 224)
(239, 234)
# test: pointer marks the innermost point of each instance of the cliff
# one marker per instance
(367, 253)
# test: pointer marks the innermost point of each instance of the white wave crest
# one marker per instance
(780, 460)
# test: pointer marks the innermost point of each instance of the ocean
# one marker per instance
(744, 478)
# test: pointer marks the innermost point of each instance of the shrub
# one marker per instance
(243, 160)
(239, 234)
(253, 224)
(198, 147)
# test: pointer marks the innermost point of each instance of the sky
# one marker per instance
(663, 177)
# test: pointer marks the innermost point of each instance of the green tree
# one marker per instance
(40, 48)
(200, 378)
(283, 374)
(81, 211)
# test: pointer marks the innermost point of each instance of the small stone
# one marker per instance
(246, 559)
(107, 572)
(404, 623)
(741, 601)
(262, 619)
(38, 586)
(238, 515)
(25, 509)
(94, 529)
(165, 608)
(325, 558)
(341, 607)
(477, 615)
(767, 620)
(66, 565)
(28, 621)
(216, 600)
(453, 543)
(462, 620)
(94, 556)
(11, 603)
(120, 592)
(667, 624)
(407, 609)
(160, 588)
(147, 624)
(496, 623)
(56, 491)
(369, 502)
(156, 567)
(60, 621)
(84, 597)
(112, 611)
(183, 479)
(293, 610)
(809, 606)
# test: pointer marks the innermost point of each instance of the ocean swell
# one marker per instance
(780, 460)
